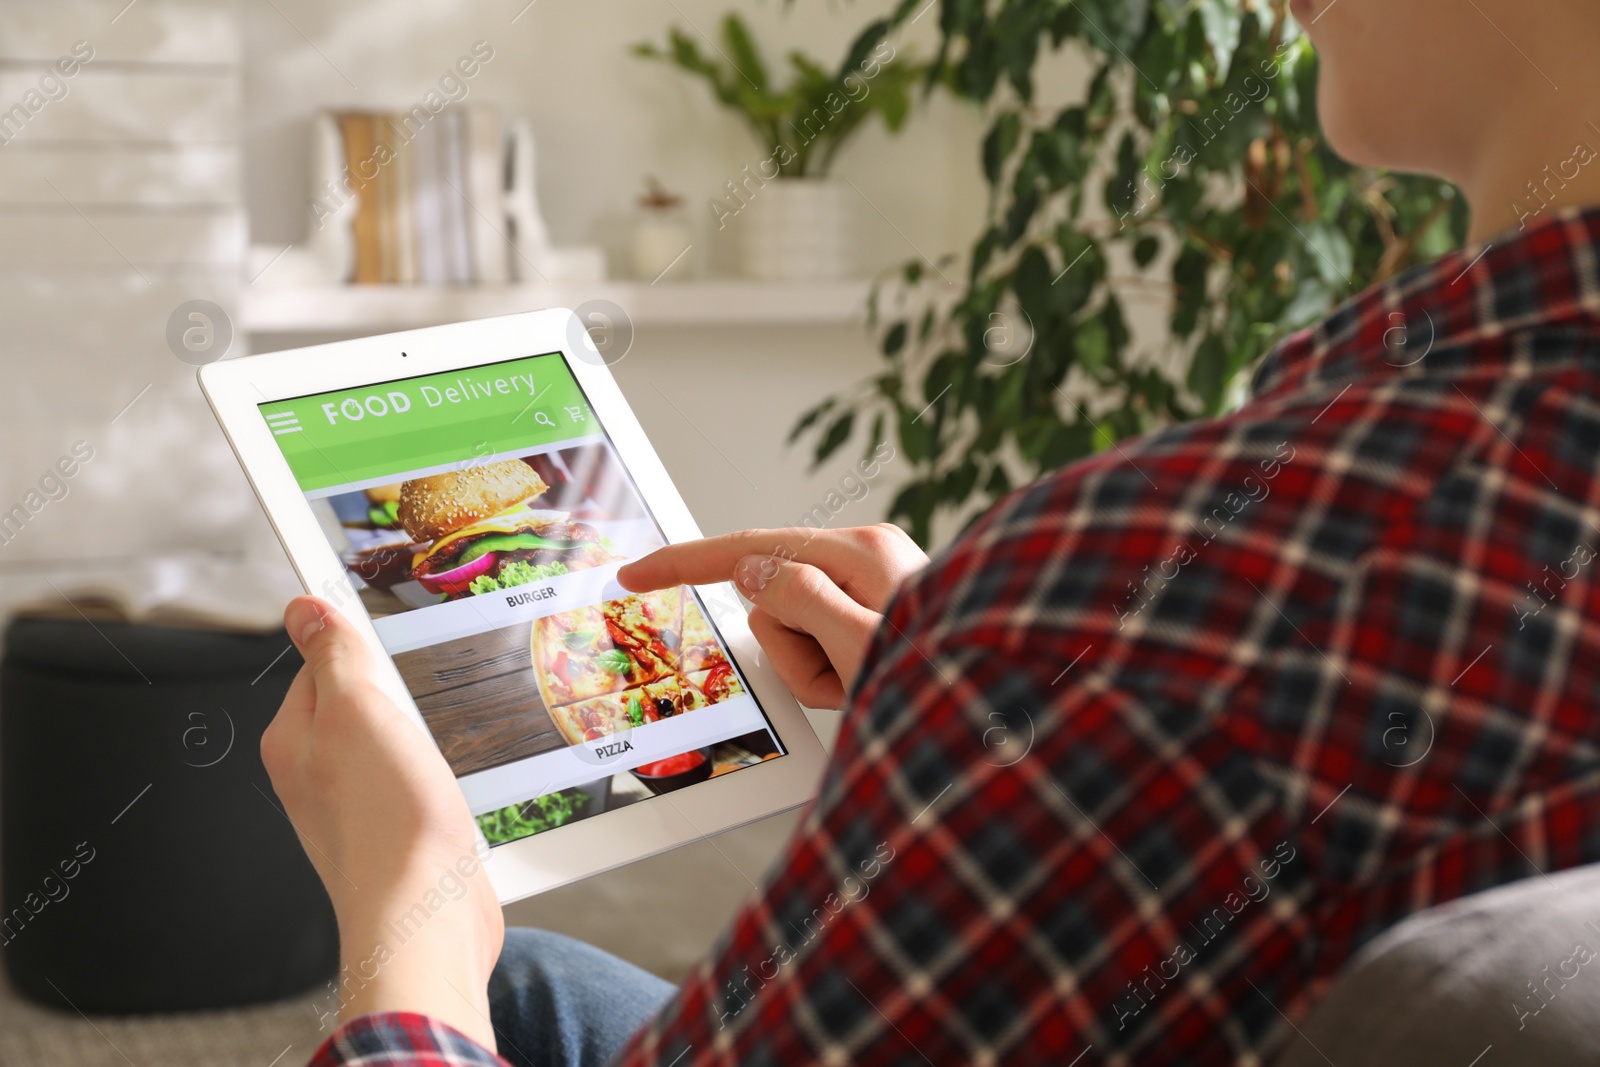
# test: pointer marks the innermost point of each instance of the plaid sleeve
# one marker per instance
(401, 1039)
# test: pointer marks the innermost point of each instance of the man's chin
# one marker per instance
(1354, 129)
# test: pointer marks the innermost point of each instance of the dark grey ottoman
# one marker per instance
(1510, 976)
(146, 863)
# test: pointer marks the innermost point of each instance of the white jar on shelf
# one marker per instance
(663, 240)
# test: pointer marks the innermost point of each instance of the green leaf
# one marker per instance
(1220, 20)
(999, 144)
(1145, 249)
(1189, 276)
(916, 437)
(1032, 285)
(864, 45)
(874, 439)
(578, 640)
(1114, 25)
(894, 104)
(614, 660)
(1117, 332)
(1012, 395)
(1180, 200)
(1026, 196)
(742, 51)
(1123, 186)
(984, 250)
(1102, 98)
(1092, 345)
(1208, 372)
(1311, 302)
(895, 339)
(999, 483)
(915, 504)
(1048, 292)
(388, 515)
(940, 376)
(1067, 443)
(1331, 254)
(810, 418)
(838, 433)
(958, 483)
(1160, 60)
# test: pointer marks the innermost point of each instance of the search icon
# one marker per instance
(543, 420)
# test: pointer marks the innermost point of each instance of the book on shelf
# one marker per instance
(430, 191)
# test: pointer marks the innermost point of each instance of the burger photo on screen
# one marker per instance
(482, 535)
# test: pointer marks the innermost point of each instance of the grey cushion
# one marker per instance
(1444, 986)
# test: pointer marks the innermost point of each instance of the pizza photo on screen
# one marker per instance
(619, 665)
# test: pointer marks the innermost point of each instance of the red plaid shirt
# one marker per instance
(1140, 762)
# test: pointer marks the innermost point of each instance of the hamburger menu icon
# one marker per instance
(482, 535)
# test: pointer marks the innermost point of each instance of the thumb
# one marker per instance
(334, 652)
(805, 599)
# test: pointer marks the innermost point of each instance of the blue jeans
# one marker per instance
(557, 1002)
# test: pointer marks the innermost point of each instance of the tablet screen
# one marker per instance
(481, 516)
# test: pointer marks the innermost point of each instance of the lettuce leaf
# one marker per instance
(515, 573)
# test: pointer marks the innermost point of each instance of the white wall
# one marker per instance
(604, 117)
(119, 201)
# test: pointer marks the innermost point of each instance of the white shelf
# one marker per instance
(379, 308)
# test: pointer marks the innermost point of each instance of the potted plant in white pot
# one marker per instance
(794, 219)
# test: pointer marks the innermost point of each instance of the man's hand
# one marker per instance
(818, 594)
(387, 829)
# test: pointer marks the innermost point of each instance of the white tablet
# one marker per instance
(466, 495)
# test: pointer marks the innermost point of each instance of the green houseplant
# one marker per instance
(1192, 169)
(799, 227)
(805, 122)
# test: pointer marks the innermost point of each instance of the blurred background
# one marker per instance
(985, 241)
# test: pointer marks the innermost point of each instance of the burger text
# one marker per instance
(531, 596)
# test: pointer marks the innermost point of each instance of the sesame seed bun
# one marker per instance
(441, 504)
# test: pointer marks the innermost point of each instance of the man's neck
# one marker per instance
(1548, 160)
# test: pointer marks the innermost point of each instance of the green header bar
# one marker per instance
(358, 434)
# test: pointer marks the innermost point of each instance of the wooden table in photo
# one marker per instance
(480, 699)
